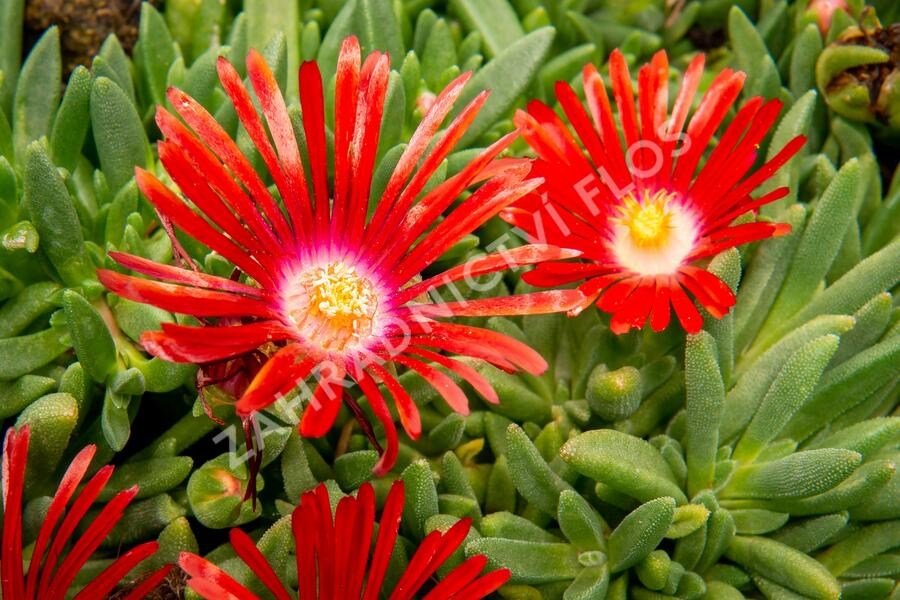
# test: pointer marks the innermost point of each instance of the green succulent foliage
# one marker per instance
(755, 459)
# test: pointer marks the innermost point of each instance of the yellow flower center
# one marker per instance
(333, 305)
(649, 221)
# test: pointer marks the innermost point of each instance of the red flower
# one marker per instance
(332, 556)
(329, 291)
(644, 217)
(47, 577)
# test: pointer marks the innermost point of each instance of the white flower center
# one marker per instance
(332, 305)
(653, 235)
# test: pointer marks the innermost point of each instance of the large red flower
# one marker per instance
(329, 285)
(333, 556)
(47, 577)
(644, 216)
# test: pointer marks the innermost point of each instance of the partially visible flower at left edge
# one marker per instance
(48, 577)
(333, 556)
(322, 288)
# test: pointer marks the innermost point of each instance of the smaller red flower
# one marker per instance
(333, 556)
(645, 212)
(47, 578)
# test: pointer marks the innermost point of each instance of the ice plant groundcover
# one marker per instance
(622, 273)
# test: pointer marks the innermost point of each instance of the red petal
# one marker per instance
(324, 529)
(206, 346)
(458, 578)
(736, 235)
(416, 147)
(414, 222)
(345, 98)
(617, 294)
(360, 540)
(185, 276)
(183, 299)
(683, 101)
(212, 134)
(687, 313)
(715, 104)
(365, 143)
(173, 208)
(732, 157)
(465, 348)
(67, 486)
(546, 146)
(624, 95)
(653, 96)
(194, 183)
(379, 407)
(246, 112)
(660, 313)
(556, 129)
(149, 583)
(280, 370)
(250, 554)
(490, 263)
(396, 213)
(384, 544)
(431, 554)
(554, 274)
(484, 585)
(89, 541)
(485, 203)
(103, 583)
(601, 112)
(270, 99)
(470, 375)
(345, 541)
(312, 105)
(764, 172)
(536, 303)
(446, 387)
(580, 121)
(711, 291)
(323, 407)
(15, 457)
(633, 312)
(406, 408)
(211, 581)
(76, 512)
(305, 550)
(743, 207)
(513, 350)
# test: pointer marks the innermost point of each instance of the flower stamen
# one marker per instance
(333, 305)
(649, 221)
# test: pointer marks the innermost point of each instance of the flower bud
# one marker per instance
(216, 492)
(823, 10)
(616, 394)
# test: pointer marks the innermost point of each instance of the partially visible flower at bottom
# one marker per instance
(333, 556)
(46, 577)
